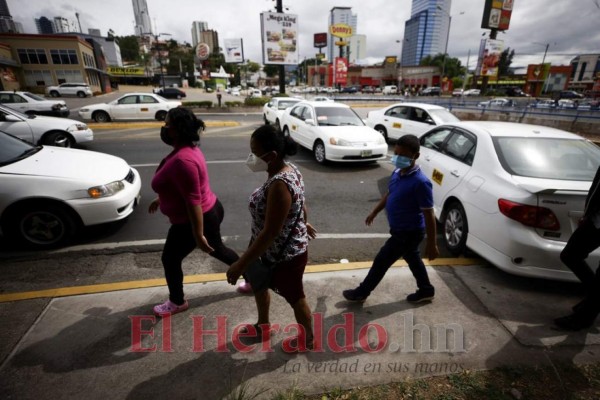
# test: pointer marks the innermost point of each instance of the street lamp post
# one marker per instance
(447, 38)
(543, 61)
(160, 59)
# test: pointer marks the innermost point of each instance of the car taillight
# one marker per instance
(537, 217)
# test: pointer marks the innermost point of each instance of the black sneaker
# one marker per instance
(354, 295)
(573, 323)
(420, 296)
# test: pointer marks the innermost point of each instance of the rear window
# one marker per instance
(445, 115)
(548, 158)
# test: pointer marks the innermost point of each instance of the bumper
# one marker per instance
(354, 154)
(109, 209)
(83, 136)
(527, 254)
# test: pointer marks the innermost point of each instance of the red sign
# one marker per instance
(341, 70)
(320, 40)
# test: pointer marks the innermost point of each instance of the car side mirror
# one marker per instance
(310, 122)
(11, 118)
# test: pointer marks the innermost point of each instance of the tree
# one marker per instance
(130, 48)
(253, 67)
(506, 58)
(271, 70)
(452, 66)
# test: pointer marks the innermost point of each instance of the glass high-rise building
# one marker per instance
(142, 18)
(339, 15)
(7, 25)
(426, 32)
(197, 28)
(44, 25)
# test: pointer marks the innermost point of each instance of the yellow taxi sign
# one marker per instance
(437, 177)
(397, 125)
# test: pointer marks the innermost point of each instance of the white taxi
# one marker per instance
(130, 107)
(273, 110)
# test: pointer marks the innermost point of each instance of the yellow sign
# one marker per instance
(341, 30)
(397, 125)
(124, 71)
(341, 43)
(437, 177)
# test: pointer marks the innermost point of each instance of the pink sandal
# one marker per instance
(244, 288)
(168, 307)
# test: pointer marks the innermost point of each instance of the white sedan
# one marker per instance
(130, 106)
(333, 131)
(48, 193)
(62, 132)
(408, 118)
(513, 193)
(32, 104)
(273, 110)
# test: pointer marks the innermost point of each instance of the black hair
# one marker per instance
(410, 142)
(272, 139)
(186, 124)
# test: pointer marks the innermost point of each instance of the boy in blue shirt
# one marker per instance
(409, 207)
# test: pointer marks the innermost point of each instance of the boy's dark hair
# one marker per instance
(410, 142)
(186, 124)
(272, 139)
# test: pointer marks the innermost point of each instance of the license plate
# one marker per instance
(366, 153)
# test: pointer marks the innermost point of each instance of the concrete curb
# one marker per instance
(157, 124)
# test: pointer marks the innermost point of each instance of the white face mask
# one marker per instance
(256, 164)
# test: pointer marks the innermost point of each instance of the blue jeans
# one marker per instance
(403, 244)
(584, 240)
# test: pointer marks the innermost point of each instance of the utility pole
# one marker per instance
(279, 9)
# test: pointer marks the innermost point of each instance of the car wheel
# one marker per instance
(286, 131)
(381, 129)
(54, 93)
(40, 225)
(161, 115)
(80, 94)
(277, 124)
(58, 139)
(266, 120)
(319, 152)
(456, 228)
(101, 116)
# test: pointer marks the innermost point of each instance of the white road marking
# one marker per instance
(154, 242)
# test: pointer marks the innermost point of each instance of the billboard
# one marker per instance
(341, 30)
(202, 51)
(279, 33)
(234, 50)
(341, 70)
(126, 71)
(496, 14)
(490, 57)
(320, 40)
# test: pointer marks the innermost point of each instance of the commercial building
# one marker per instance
(426, 32)
(339, 15)
(37, 61)
(586, 72)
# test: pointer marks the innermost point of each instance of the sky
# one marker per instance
(568, 27)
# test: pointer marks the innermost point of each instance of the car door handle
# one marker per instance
(427, 158)
(455, 173)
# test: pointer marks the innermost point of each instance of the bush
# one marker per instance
(206, 103)
(256, 101)
(233, 104)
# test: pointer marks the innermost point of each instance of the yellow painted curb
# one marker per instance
(203, 278)
(138, 125)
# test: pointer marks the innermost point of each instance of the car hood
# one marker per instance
(52, 122)
(352, 133)
(539, 186)
(73, 164)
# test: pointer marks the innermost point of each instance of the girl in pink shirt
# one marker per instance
(185, 197)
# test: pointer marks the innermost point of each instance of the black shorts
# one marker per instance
(287, 278)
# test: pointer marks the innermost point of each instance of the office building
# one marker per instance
(211, 38)
(62, 25)
(142, 18)
(426, 32)
(339, 15)
(7, 25)
(357, 50)
(44, 25)
(197, 28)
(19, 27)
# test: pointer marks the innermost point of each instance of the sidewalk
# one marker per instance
(481, 318)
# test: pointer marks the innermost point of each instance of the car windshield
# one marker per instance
(13, 149)
(33, 96)
(444, 115)
(285, 104)
(337, 116)
(548, 158)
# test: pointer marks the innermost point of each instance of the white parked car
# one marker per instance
(497, 103)
(333, 131)
(273, 110)
(513, 193)
(472, 92)
(321, 98)
(48, 193)
(130, 106)
(52, 131)
(408, 118)
(254, 93)
(70, 89)
(29, 103)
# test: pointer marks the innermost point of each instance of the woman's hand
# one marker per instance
(311, 231)
(370, 218)
(204, 246)
(154, 206)
(234, 272)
